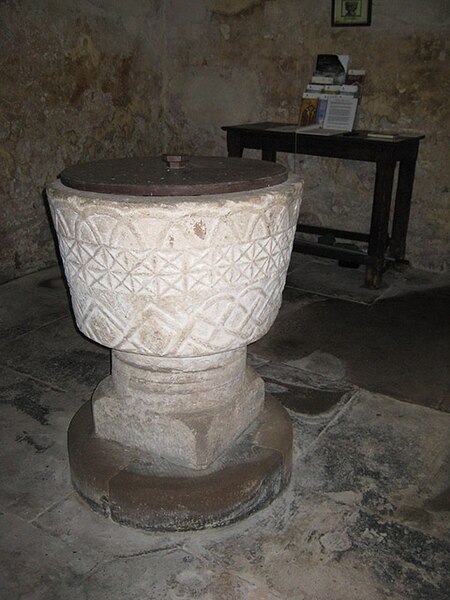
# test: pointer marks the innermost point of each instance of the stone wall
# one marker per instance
(78, 81)
(236, 61)
(96, 78)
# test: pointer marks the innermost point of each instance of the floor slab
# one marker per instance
(398, 346)
(316, 275)
(32, 301)
(338, 531)
(59, 356)
(366, 513)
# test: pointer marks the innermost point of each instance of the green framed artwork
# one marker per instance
(351, 13)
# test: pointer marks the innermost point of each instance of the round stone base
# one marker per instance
(146, 491)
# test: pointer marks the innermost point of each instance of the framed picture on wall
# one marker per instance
(351, 13)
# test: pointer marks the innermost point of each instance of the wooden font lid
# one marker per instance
(173, 175)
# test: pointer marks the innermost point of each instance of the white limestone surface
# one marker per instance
(188, 410)
(184, 276)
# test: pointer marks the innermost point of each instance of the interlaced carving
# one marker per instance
(164, 283)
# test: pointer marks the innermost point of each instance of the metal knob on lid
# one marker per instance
(176, 161)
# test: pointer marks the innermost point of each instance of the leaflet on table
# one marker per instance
(335, 66)
(309, 129)
(341, 113)
(383, 135)
(308, 109)
(316, 130)
(356, 77)
(347, 90)
(332, 78)
(338, 110)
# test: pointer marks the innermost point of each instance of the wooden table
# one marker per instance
(382, 246)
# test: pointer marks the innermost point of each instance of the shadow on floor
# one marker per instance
(398, 346)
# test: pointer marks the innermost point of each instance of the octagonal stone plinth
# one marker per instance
(144, 490)
(188, 410)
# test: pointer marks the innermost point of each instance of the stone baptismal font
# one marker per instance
(177, 265)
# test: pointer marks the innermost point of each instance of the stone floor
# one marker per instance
(365, 376)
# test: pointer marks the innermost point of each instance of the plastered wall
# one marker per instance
(95, 78)
(78, 81)
(237, 61)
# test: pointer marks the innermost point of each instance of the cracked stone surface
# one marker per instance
(366, 514)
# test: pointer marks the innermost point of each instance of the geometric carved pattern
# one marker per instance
(188, 279)
(162, 271)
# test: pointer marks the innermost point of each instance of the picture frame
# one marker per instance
(351, 13)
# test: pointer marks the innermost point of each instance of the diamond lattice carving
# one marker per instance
(143, 280)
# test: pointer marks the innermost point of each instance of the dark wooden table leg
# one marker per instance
(235, 145)
(269, 153)
(378, 236)
(397, 245)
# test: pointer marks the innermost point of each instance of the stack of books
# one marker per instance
(331, 98)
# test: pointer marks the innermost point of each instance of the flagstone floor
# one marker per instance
(365, 378)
